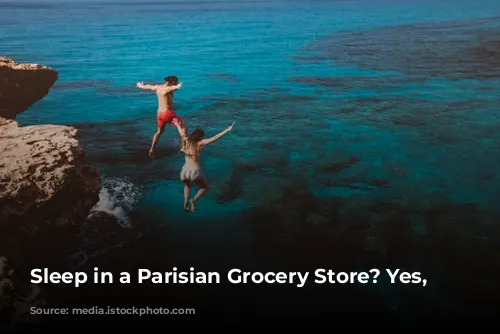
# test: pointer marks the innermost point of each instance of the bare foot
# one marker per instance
(192, 206)
(151, 153)
(186, 206)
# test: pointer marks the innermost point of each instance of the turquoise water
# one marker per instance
(349, 99)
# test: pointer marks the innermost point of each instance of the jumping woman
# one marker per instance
(192, 146)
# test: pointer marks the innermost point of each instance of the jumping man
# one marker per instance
(165, 93)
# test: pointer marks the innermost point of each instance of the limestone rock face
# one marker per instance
(44, 178)
(21, 85)
(46, 186)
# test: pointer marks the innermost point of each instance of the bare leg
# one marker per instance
(202, 183)
(187, 191)
(156, 137)
(200, 193)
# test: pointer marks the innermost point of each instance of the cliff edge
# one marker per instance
(44, 177)
(21, 85)
(46, 186)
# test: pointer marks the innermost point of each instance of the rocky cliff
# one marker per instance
(46, 186)
(44, 177)
(21, 85)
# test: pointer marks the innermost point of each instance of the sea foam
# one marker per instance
(117, 197)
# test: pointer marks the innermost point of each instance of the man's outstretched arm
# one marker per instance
(141, 85)
(170, 89)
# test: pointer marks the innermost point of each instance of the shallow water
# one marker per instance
(394, 101)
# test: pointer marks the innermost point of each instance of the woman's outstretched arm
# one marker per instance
(217, 136)
(181, 128)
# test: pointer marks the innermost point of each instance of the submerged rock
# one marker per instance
(453, 245)
(419, 50)
(356, 207)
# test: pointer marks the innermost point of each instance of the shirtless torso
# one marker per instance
(165, 114)
(165, 98)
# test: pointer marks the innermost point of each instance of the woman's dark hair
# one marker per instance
(190, 143)
(172, 80)
(196, 136)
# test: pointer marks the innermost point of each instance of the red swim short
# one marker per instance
(167, 116)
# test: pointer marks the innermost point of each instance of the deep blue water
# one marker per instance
(390, 101)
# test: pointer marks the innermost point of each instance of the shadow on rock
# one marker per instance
(17, 299)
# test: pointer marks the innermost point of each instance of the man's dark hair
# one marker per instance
(172, 80)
